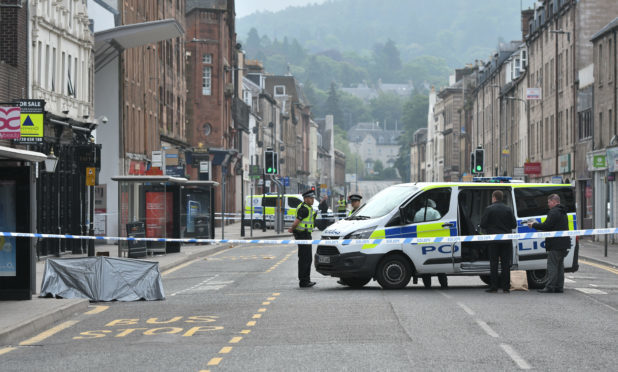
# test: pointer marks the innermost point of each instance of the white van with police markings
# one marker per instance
(438, 210)
(260, 209)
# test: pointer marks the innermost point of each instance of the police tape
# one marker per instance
(444, 239)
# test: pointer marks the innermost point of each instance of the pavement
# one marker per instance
(23, 318)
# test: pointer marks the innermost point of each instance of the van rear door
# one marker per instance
(531, 203)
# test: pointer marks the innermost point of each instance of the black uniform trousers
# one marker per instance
(304, 257)
(555, 269)
(502, 250)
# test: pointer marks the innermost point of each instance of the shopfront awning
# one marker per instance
(24, 155)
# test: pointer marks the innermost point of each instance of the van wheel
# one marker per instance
(536, 278)
(355, 282)
(394, 272)
(257, 224)
(426, 281)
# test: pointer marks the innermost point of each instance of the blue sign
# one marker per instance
(286, 181)
(175, 171)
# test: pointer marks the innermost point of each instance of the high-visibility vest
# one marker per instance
(341, 205)
(352, 211)
(307, 223)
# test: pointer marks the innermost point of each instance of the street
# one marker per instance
(241, 309)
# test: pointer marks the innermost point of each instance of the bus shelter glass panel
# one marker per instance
(152, 204)
(196, 213)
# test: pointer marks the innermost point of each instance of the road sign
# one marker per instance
(286, 181)
(91, 176)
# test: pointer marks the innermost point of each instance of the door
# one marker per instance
(471, 204)
(430, 215)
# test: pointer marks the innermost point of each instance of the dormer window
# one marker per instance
(279, 90)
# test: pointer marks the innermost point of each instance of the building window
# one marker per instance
(585, 124)
(279, 90)
(207, 129)
(207, 58)
(207, 81)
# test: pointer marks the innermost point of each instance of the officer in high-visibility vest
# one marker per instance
(301, 228)
(341, 206)
(355, 201)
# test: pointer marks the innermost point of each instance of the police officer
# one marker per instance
(355, 201)
(302, 228)
(341, 206)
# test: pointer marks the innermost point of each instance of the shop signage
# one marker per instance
(518, 171)
(10, 122)
(599, 161)
(532, 168)
(564, 163)
(91, 176)
(157, 159)
(533, 93)
(31, 120)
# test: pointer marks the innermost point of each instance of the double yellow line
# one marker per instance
(600, 266)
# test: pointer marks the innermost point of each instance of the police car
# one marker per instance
(439, 210)
(260, 209)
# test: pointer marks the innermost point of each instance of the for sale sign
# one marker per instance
(31, 120)
(10, 125)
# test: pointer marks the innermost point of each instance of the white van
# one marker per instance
(394, 213)
(257, 205)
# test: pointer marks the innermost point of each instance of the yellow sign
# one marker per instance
(32, 125)
(91, 176)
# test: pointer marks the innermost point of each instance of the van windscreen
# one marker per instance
(387, 200)
(532, 201)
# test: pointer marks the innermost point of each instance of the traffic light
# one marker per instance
(479, 158)
(472, 163)
(271, 162)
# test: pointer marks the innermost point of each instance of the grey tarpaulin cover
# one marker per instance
(102, 279)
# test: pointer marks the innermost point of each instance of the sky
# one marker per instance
(246, 7)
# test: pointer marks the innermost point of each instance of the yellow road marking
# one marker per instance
(271, 298)
(257, 316)
(225, 350)
(266, 303)
(50, 332)
(97, 309)
(251, 323)
(167, 272)
(235, 340)
(245, 331)
(261, 310)
(6, 350)
(204, 370)
(214, 361)
(602, 267)
(276, 294)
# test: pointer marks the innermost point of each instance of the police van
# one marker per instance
(260, 209)
(439, 210)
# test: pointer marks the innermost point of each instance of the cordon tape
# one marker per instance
(445, 239)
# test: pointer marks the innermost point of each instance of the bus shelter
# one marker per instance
(149, 206)
(197, 214)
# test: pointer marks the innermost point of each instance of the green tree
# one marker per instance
(333, 106)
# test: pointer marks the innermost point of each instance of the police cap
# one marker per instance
(309, 194)
(355, 197)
